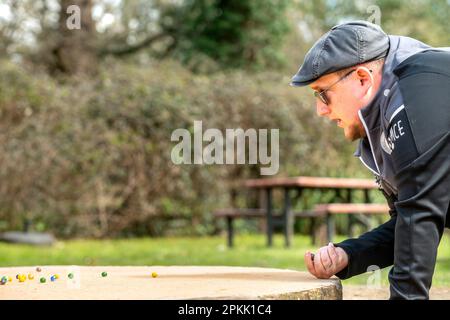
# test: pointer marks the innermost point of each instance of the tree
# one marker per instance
(75, 51)
(233, 33)
(230, 33)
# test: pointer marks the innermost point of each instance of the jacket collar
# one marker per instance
(400, 48)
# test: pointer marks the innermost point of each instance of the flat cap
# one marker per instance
(345, 45)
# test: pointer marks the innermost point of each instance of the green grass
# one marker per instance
(250, 250)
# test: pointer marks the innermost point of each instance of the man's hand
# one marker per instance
(327, 261)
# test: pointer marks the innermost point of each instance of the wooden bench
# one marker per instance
(329, 210)
(235, 213)
(326, 211)
(293, 189)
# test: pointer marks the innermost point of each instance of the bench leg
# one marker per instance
(230, 231)
(320, 231)
(351, 219)
(367, 196)
(330, 228)
(288, 219)
(269, 217)
(351, 222)
(313, 231)
(367, 199)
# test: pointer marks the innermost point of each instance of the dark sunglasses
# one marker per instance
(322, 96)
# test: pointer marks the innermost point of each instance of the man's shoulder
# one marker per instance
(421, 86)
(433, 60)
(416, 107)
(423, 82)
(393, 102)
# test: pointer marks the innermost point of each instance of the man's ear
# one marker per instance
(365, 76)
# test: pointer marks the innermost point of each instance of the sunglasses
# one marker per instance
(322, 94)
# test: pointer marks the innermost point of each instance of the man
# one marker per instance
(392, 93)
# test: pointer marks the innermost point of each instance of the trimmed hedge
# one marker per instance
(91, 157)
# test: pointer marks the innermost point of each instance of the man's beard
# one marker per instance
(354, 132)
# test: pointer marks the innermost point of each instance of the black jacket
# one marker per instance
(407, 148)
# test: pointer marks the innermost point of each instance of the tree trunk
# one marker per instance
(75, 51)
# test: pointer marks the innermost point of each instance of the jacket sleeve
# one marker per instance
(373, 248)
(422, 207)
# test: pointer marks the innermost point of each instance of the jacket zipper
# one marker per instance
(368, 167)
(378, 177)
(370, 143)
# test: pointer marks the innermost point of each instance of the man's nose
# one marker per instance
(322, 109)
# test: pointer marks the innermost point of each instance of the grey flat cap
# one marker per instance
(345, 45)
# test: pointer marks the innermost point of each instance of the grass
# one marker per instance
(250, 250)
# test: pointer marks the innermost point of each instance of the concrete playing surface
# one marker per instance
(171, 283)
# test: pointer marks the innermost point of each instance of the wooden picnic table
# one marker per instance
(300, 184)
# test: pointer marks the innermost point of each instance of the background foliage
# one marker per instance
(86, 117)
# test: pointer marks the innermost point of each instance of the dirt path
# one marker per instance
(355, 292)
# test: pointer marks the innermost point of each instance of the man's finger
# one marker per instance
(309, 263)
(326, 261)
(318, 264)
(333, 254)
